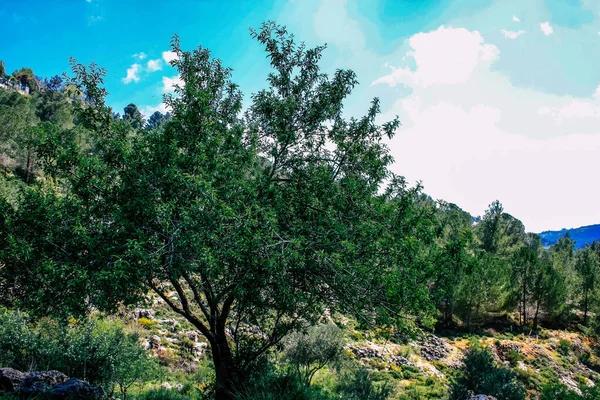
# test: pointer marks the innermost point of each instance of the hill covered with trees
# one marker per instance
(582, 236)
(267, 252)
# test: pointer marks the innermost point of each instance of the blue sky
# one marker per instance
(499, 99)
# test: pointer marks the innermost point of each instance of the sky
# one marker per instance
(498, 99)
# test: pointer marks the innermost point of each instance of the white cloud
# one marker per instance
(546, 28)
(460, 50)
(516, 19)
(169, 56)
(140, 55)
(512, 34)
(154, 65)
(471, 136)
(147, 111)
(170, 83)
(132, 74)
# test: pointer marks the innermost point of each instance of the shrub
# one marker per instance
(481, 375)
(100, 352)
(147, 323)
(514, 357)
(359, 386)
(309, 352)
(564, 347)
(163, 394)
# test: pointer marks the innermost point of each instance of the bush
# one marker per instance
(100, 352)
(146, 323)
(359, 386)
(309, 352)
(514, 357)
(564, 347)
(162, 394)
(268, 384)
(481, 375)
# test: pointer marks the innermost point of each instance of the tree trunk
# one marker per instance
(535, 318)
(27, 166)
(585, 308)
(225, 374)
(524, 305)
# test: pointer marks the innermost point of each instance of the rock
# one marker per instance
(482, 397)
(370, 351)
(198, 348)
(179, 387)
(433, 348)
(10, 379)
(166, 385)
(40, 382)
(401, 360)
(76, 389)
(155, 341)
(146, 345)
(143, 313)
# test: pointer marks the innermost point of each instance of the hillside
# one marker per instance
(581, 236)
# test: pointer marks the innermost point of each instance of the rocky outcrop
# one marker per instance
(76, 389)
(40, 382)
(51, 384)
(433, 348)
(10, 379)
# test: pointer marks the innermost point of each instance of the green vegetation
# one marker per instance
(248, 228)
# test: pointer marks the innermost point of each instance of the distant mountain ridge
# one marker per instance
(581, 236)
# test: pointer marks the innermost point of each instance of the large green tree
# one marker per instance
(588, 268)
(247, 226)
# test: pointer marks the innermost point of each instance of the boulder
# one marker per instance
(155, 341)
(40, 382)
(10, 379)
(74, 389)
(482, 397)
(143, 313)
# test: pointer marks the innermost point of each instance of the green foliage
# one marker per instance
(557, 391)
(563, 347)
(100, 352)
(587, 265)
(163, 394)
(255, 221)
(133, 116)
(309, 352)
(481, 375)
(359, 386)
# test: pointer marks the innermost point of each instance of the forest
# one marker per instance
(222, 252)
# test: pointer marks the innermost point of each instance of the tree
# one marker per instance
(256, 223)
(481, 375)
(455, 256)
(482, 287)
(549, 291)
(309, 352)
(157, 119)
(132, 115)
(588, 268)
(500, 233)
(55, 84)
(525, 272)
(26, 77)
(2, 69)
